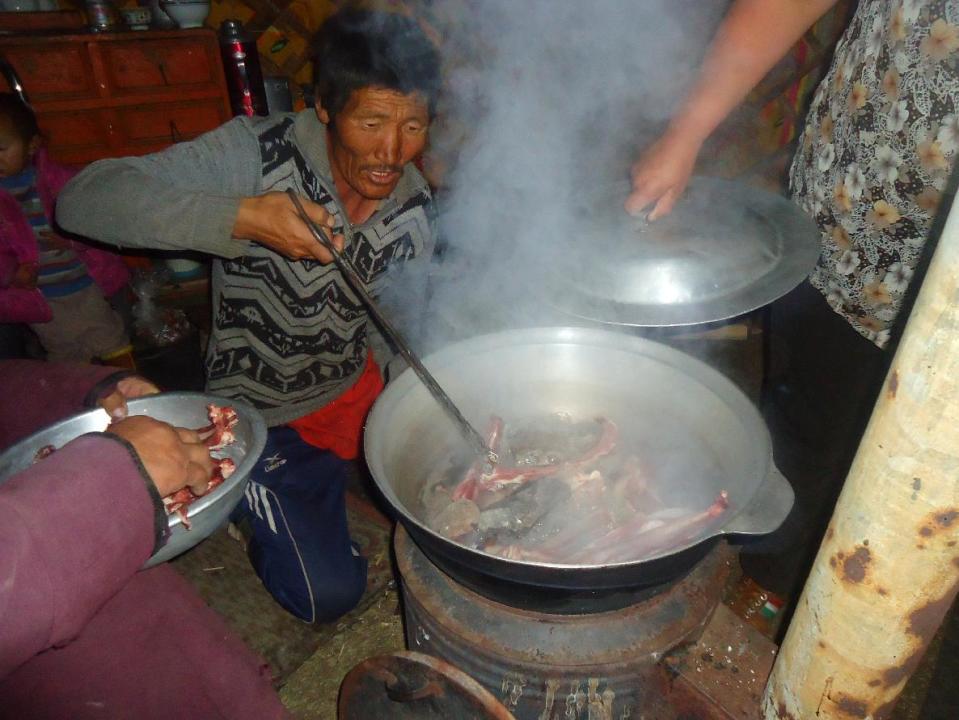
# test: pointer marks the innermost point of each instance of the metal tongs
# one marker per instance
(349, 272)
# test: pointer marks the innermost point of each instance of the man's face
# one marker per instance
(374, 136)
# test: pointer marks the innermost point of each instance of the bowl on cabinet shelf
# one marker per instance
(187, 13)
(137, 18)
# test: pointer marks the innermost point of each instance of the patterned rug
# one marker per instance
(222, 574)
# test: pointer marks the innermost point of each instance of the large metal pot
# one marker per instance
(708, 435)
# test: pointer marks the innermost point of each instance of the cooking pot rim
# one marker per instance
(708, 376)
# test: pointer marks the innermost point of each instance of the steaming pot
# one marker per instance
(679, 405)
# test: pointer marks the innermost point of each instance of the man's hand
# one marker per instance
(173, 457)
(272, 220)
(661, 174)
(25, 276)
(127, 389)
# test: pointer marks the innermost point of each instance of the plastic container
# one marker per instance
(183, 268)
(187, 13)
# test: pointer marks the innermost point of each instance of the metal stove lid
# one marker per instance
(414, 686)
(725, 250)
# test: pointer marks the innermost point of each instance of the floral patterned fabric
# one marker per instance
(876, 153)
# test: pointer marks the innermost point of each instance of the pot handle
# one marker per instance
(768, 508)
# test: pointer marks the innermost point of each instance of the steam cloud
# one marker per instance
(549, 102)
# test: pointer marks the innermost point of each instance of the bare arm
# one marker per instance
(752, 38)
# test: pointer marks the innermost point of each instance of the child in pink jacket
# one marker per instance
(57, 286)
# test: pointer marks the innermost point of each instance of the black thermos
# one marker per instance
(241, 64)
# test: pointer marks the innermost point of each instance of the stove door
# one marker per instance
(413, 686)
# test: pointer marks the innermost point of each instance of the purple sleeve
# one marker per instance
(76, 527)
(23, 305)
(34, 394)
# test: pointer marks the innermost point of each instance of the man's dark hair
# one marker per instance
(22, 117)
(356, 49)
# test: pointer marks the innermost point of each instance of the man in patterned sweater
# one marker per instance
(289, 335)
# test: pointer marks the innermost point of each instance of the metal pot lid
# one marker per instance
(725, 250)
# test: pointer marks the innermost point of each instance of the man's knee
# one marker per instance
(321, 592)
(335, 599)
(325, 600)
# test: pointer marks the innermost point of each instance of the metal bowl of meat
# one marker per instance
(235, 431)
(621, 460)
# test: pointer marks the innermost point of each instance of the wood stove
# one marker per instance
(678, 653)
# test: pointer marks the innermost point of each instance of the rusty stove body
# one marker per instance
(676, 653)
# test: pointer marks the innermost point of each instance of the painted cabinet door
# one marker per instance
(157, 67)
(102, 96)
(166, 123)
(53, 71)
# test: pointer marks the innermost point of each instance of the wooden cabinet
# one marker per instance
(129, 93)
